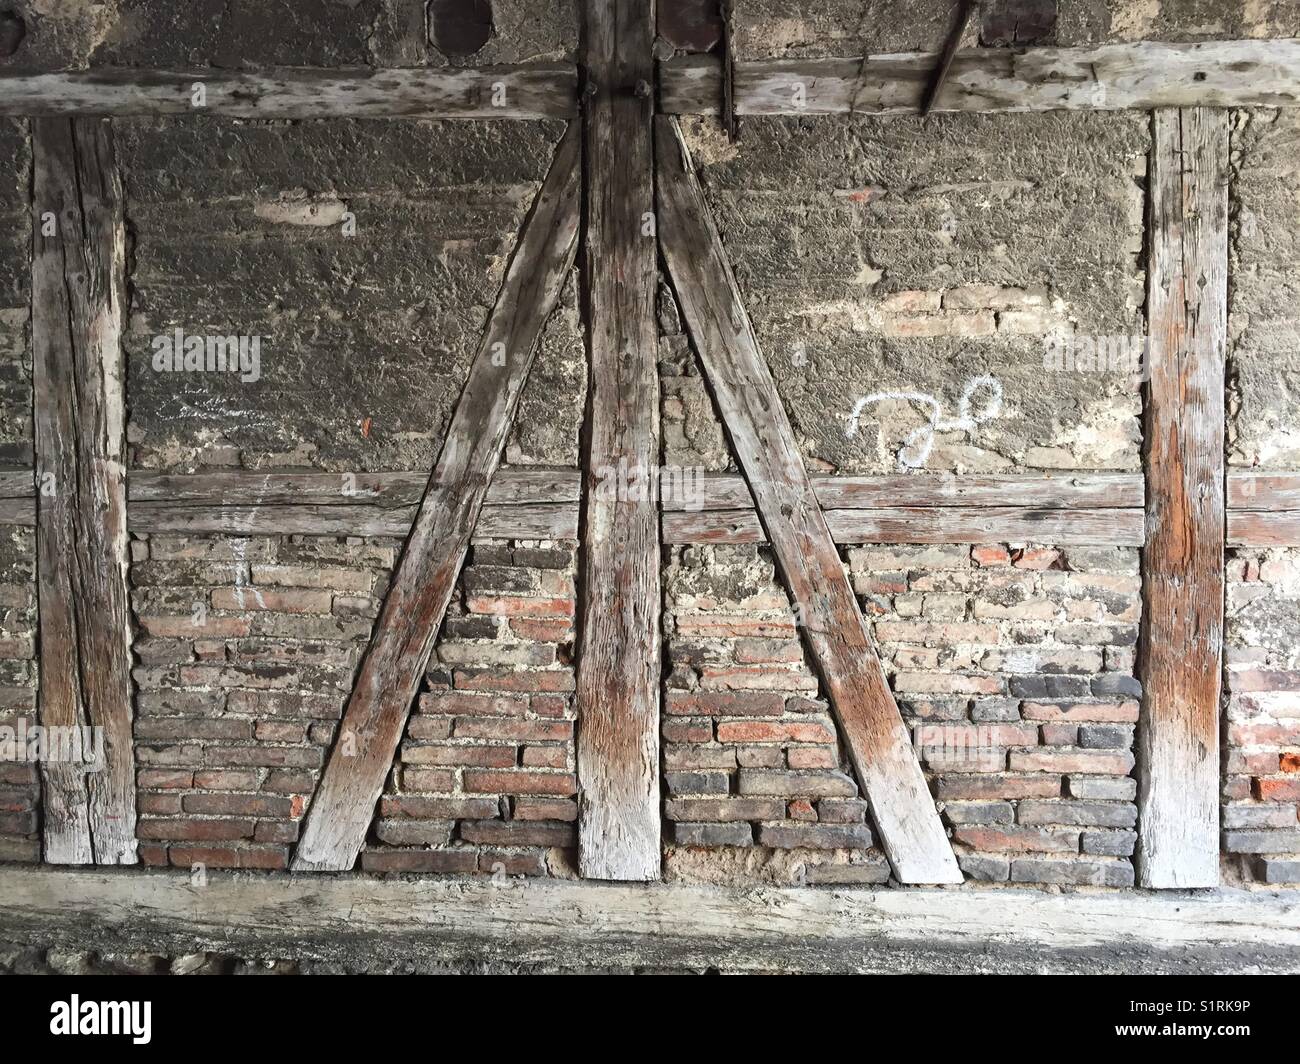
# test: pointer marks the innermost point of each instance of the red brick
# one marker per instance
(194, 829)
(470, 756)
(1098, 762)
(545, 757)
(1289, 763)
(744, 731)
(687, 731)
(493, 862)
(541, 630)
(159, 778)
(551, 680)
(245, 599)
(545, 809)
(1277, 790)
(1082, 712)
(491, 781)
(811, 757)
(509, 729)
(990, 556)
(444, 861)
(725, 703)
(519, 833)
(957, 788)
(263, 857)
(438, 808)
(436, 780)
(519, 606)
(1017, 840)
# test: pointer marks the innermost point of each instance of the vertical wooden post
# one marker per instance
(78, 294)
(619, 667)
(1180, 654)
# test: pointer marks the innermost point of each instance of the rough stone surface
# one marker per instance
(887, 255)
(1264, 318)
(850, 27)
(366, 339)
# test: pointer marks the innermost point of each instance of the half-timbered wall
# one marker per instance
(977, 269)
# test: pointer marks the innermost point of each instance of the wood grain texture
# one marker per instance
(1181, 646)
(1141, 75)
(927, 524)
(359, 920)
(78, 295)
(543, 91)
(422, 584)
(874, 734)
(1251, 528)
(511, 486)
(619, 662)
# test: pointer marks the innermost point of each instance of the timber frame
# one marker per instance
(1183, 511)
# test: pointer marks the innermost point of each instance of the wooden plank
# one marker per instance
(927, 524)
(619, 663)
(541, 521)
(18, 513)
(1073, 491)
(1264, 491)
(435, 923)
(511, 486)
(1181, 647)
(17, 484)
(78, 295)
(836, 633)
(1249, 528)
(540, 91)
(422, 584)
(1141, 75)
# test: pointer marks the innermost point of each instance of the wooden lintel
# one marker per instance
(422, 585)
(1180, 653)
(431, 924)
(619, 662)
(1140, 75)
(832, 624)
(78, 297)
(540, 91)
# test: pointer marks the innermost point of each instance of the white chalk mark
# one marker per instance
(916, 448)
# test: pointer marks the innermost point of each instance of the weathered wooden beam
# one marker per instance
(619, 663)
(1250, 528)
(543, 91)
(926, 524)
(511, 486)
(540, 521)
(1069, 491)
(1264, 491)
(1141, 75)
(422, 584)
(78, 296)
(764, 443)
(358, 920)
(1180, 653)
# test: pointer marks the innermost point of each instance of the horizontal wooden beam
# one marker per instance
(356, 920)
(536, 91)
(927, 524)
(1248, 528)
(1141, 75)
(541, 503)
